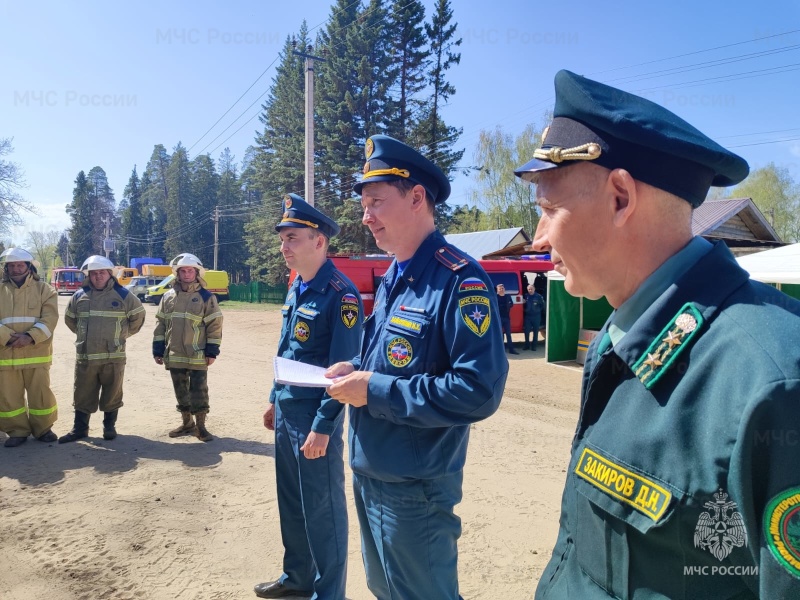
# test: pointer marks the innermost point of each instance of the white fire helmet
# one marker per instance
(16, 255)
(187, 260)
(19, 255)
(97, 263)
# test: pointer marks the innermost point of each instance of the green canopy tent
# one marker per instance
(567, 316)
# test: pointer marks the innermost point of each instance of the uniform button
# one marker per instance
(382, 416)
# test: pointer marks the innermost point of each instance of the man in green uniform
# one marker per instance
(683, 480)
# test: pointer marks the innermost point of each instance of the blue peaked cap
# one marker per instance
(616, 129)
(299, 213)
(389, 159)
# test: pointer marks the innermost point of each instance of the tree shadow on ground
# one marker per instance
(37, 463)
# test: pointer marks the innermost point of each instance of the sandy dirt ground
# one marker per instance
(146, 516)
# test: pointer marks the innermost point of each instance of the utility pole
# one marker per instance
(216, 235)
(309, 119)
(108, 243)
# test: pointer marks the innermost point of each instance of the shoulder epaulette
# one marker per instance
(451, 258)
(668, 345)
(79, 293)
(336, 282)
(123, 293)
(205, 294)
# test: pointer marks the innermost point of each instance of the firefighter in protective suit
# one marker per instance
(28, 316)
(103, 315)
(186, 341)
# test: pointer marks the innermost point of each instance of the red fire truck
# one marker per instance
(366, 271)
(67, 280)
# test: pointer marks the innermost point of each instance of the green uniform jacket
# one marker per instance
(684, 480)
(103, 320)
(188, 328)
(31, 308)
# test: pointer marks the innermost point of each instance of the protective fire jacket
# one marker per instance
(103, 320)
(434, 345)
(31, 308)
(188, 328)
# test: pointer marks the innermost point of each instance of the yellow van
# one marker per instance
(216, 283)
(154, 293)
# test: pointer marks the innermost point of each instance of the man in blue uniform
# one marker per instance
(532, 311)
(504, 305)
(322, 320)
(431, 363)
(683, 480)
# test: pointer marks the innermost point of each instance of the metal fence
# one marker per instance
(258, 292)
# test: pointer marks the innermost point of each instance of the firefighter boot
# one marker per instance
(202, 433)
(109, 420)
(186, 428)
(79, 430)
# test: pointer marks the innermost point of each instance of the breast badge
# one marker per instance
(302, 331)
(399, 352)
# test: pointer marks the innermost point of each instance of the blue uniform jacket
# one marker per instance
(320, 327)
(533, 308)
(684, 478)
(434, 345)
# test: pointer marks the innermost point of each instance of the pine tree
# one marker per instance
(134, 217)
(62, 249)
(231, 200)
(410, 54)
(177, 208)
(354, 103)
(277, 167)
(202, 202)
(104, 207)
(80, 211)
(154, 199)
(436, 138)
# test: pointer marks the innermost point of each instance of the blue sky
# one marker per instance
(100, 83)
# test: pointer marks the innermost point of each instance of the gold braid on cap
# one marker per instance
(393, 171)
(556, 155)
(293, 220)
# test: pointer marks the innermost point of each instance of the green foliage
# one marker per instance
(154, 199)
(204, 187)
(504, 199)
(134, 219)
(277, 167)
(81, 211)
(232, 199)
(777, 196)
(178, 208)
(410, 55)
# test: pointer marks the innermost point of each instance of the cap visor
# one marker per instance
(533, 166)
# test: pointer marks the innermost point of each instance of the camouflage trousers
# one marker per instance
(191, 389)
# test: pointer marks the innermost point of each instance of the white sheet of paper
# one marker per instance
(292, 372)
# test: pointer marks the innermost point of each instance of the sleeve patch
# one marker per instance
(476, 313)
(472, 285)
(349, 311)
(782, 529)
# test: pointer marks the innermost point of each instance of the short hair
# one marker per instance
(405, 186)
